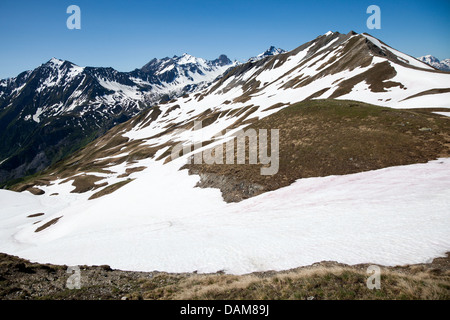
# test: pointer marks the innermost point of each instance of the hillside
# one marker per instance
(443, 65)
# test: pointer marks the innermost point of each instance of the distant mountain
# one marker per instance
(179, 75)
(272, 51)
(356, 67)
(47, 113)
(443, 65)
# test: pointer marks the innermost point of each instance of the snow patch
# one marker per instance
(37, 114)
(446, 114)
(393, 216)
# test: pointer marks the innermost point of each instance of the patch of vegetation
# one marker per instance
(129, 171)
(337, 137)
(34, 215)
(84, 183)
(48, 224)
(110, 189)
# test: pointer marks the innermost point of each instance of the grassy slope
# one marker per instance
(20, 279)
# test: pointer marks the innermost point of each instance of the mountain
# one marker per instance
(172, 77)
(272, 51)
(47, 113)
(360, 162)
(443, 65)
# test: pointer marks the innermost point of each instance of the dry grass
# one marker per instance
(109, 189)
(129, 171)
(20, 279)
(323, 281)
(36, 191)
(427, 92)
(48, 224)
(84, 183)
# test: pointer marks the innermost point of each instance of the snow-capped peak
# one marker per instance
(329, 33)
(443, 65)
(272, 51)
(55, 61)
(187, 58)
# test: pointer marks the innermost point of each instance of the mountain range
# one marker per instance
(443, 65)
(47, 113)
(363, 142)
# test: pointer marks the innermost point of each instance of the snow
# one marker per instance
(414, 82)
(37, 114)
(56, 62)
(272, 51)
(446, 114)
(429, 101)
(397, 215)
(433, 61)
(127, 91)
(74, 71)
(111, 157)
(187, 58)
(166, 69)
(18, 89)
(59, 75)
(273, 79)
(160, 221)
(328, 45)
(204, 74)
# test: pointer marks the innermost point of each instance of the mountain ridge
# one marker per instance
(351, 141)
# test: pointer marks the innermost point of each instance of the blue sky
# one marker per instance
(127, 34)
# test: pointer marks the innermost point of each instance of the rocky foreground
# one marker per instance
(22, 280)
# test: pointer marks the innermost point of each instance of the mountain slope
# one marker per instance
(125, 198)
(351, 66)
(47, 113)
